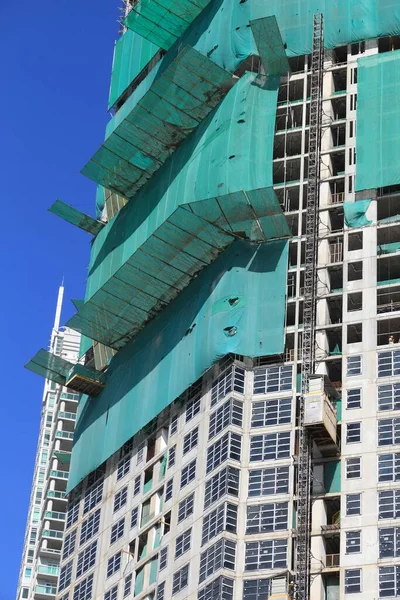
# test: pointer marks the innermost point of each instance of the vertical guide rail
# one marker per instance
(303, 549)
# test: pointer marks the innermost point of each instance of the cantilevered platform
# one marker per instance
(76, 377)
(163, 21)
(190, 239)
(76, 217)
(156, 119)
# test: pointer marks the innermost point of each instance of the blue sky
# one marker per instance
(55, 67)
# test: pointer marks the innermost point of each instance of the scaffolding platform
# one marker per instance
(164, 21)
(163, 111)
(160, 268)
(76, 377)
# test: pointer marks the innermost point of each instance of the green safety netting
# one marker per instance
(378, 125)
(393, 219)
(146, 255)
(164, 21)
(270, 47)
(131, 54)
(50, 366)
(389, 248)
(221, 31)
(156, 119)
(388, 282)
(237, 305)
(85, 345)
(355, 213)
(76, 217)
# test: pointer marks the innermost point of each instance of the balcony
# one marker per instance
(45, 591)
(52, 534)
(54, 494)
(57, 516)
(48, 570)
(59, 474)
(66, 435)
(66, 415)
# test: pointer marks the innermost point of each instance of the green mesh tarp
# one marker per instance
(131, 54)
(270, 46)
(50, 366)
(355, 213)
(151, 250)
(393, 219)
(164, 21)
(237, 305)
(231, 151)
(378, 125)
(180, 98)
(76, 217)
(389, 248)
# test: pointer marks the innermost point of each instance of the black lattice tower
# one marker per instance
(303, 550)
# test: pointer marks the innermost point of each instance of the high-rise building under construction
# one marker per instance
(238, 426)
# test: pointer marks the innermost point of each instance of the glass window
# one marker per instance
(120, 498)
(389, 504)
(190, 440)
(90, 527)
(272, 379)
(92, 497)
(389, 363)
(353, 366)
(353, 542)
(180, 579)
(222, 518)
(220, 555)
(389, 467)
(229, 446)
(137, 485)
(224, 482)
(353, 467)
(389, 431)
(163, 557)
(352, 581)
(123, 467)
(188, 473)
(270, 446)
(134, 516)
(353, 504)
(267, 413)
(127, 585)
(168, 489)
(182, 543)
(268, 482)
(353, 398)
(266, 554)
(230, 380)
(69, 544)
(353, 433)
(65, 576)
(256, 589)
(229, 413)
(83, 591)
(111, 594)
(218, 589)
(117, 530)
(114, 564)
(86, 559)
(389, 396)
(72, 514)
(389, 582)
(173, 428)
(161, 591)
(193, 407)
(389, 542)
(264, 518)
(171, 456)
(186, 507)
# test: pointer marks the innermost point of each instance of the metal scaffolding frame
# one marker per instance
(304, 480)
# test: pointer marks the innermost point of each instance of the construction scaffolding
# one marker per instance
(303, 551)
